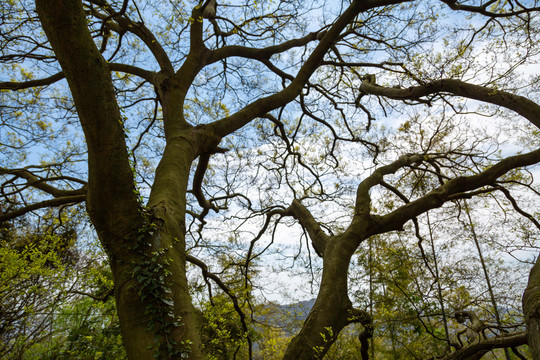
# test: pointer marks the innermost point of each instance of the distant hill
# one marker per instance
(289, 317)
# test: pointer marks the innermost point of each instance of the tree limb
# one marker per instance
(482, 9)
(257, 108)
(65, 200)
(319, 238)
(197, 186)
(263, 54)
(122, 24)
(129, 69)
(436, 197)
(363, 199)
(147, 75)
(364, 318)
(204, 268)
(41, 183)
(523, 106)
(9, 85)
(506, 341)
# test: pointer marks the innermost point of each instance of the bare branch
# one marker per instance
(517, 208)
(482, 9)
(263, 54)
(363, 199)
(65, 200)
(8, 85)
(41, 183)
(147, 75)
(122, 24)
(12, 85)
(197, 186)
(102, 298)
(523, 106)
(436, 197)
(257, 108)
(204, 268)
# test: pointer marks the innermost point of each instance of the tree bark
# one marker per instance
(332, 310)
(531, 310)
(146, 247)
(146, 314)
(111, 201)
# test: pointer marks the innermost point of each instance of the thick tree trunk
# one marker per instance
(111, 199)
(531, 310)
(146, 247)
(153, 301)
(332, 310)
(154, 305)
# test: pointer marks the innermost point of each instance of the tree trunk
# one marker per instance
(146, 246)
(332, 310)
(154, 305)
(531, 310)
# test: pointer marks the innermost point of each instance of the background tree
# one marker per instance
(36, 263)
(156, 93)
(55, 298)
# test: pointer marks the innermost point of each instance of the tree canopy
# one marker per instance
(383, 151)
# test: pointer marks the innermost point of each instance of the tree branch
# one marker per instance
(363, 199)
(517, 208)
(364, 318)
(506, 341)
(129, 69)
(482, 9)
(319, 238)
(204, 268)
(122, 24)
(198, 178)
(41, 183)
(9, 85)
(263, 54)
(147, 75)
(257, 108)
(102, 298)
(523, 106)
(65, 200)
(436, 197)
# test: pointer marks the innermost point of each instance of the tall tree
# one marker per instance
(173, 83)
